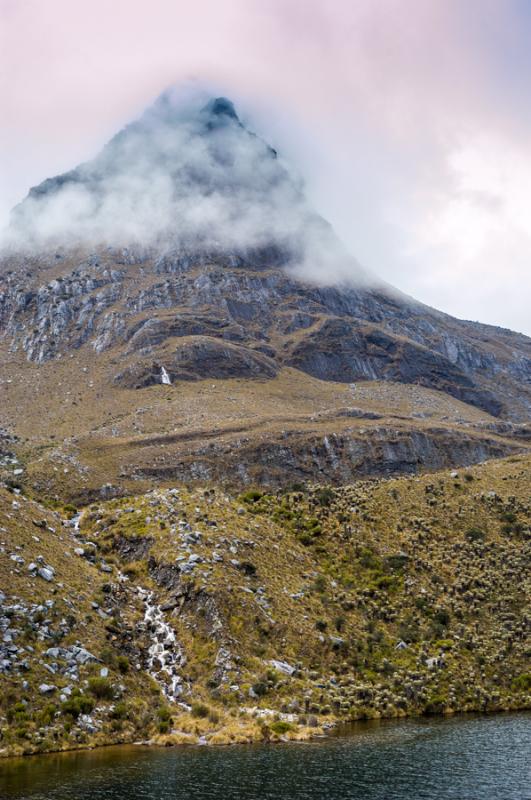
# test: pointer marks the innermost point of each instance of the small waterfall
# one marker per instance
(164, 377)
(74, 522)
(165, 656)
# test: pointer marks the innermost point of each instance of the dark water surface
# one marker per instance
(466, 758)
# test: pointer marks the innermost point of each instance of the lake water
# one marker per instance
(464, 758)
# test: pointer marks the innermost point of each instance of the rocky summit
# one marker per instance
(247, 489)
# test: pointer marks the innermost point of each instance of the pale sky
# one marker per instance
(409, 120)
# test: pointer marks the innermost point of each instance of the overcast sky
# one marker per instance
(410, 120)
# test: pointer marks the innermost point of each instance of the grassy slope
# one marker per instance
(327, 580)
(88, 433)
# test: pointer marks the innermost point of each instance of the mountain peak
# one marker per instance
(186, 172)
(221, 107)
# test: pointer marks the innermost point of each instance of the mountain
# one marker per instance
(182, 313)
(230, 508)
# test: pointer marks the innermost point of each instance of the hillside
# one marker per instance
(182, 615)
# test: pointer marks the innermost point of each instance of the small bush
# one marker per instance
(325, 496)
(442, 617)
(252, 496)
(422, 604)
(77, 705)
(122, 663)
(107, 656)
(47, 714)
(200, 710)
(133, 568)
(436, 704)
(296, 487)
(516, 528)
(120, 711)
(475, 535)
(368, 559)
(280, 727)
(522, 683)
(384, 582)
(319, 584)
(397, 561)
(164, 713)
(101, 688)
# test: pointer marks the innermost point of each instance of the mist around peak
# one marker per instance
(186, 175)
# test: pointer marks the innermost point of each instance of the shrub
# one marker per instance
(296, 488)
(436, 704)
(384, 582)
(132, 568)
(252, 496)
(119, 711)
(422, 604)
(475, 535)
(516, 528)
(79, 704)
(397, 561)
(319, 584)
(281, 727)
(123, 664)
(442, 617)
(522, 683)
(47, 714)
(339, 623)
(101, 688)
(325, 496)
(200, 710)
(368, 559)
(164, 713)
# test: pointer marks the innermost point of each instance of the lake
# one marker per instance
(462, 757)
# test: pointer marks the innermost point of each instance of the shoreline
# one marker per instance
(339, 728)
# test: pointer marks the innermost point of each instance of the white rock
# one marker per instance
(282, 666)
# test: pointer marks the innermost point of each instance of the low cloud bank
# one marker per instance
(187, 175)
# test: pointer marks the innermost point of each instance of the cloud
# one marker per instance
(185, 177)
(375, 103)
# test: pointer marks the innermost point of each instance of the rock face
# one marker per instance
(199, 357)
(208, 318)
(339, 459)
